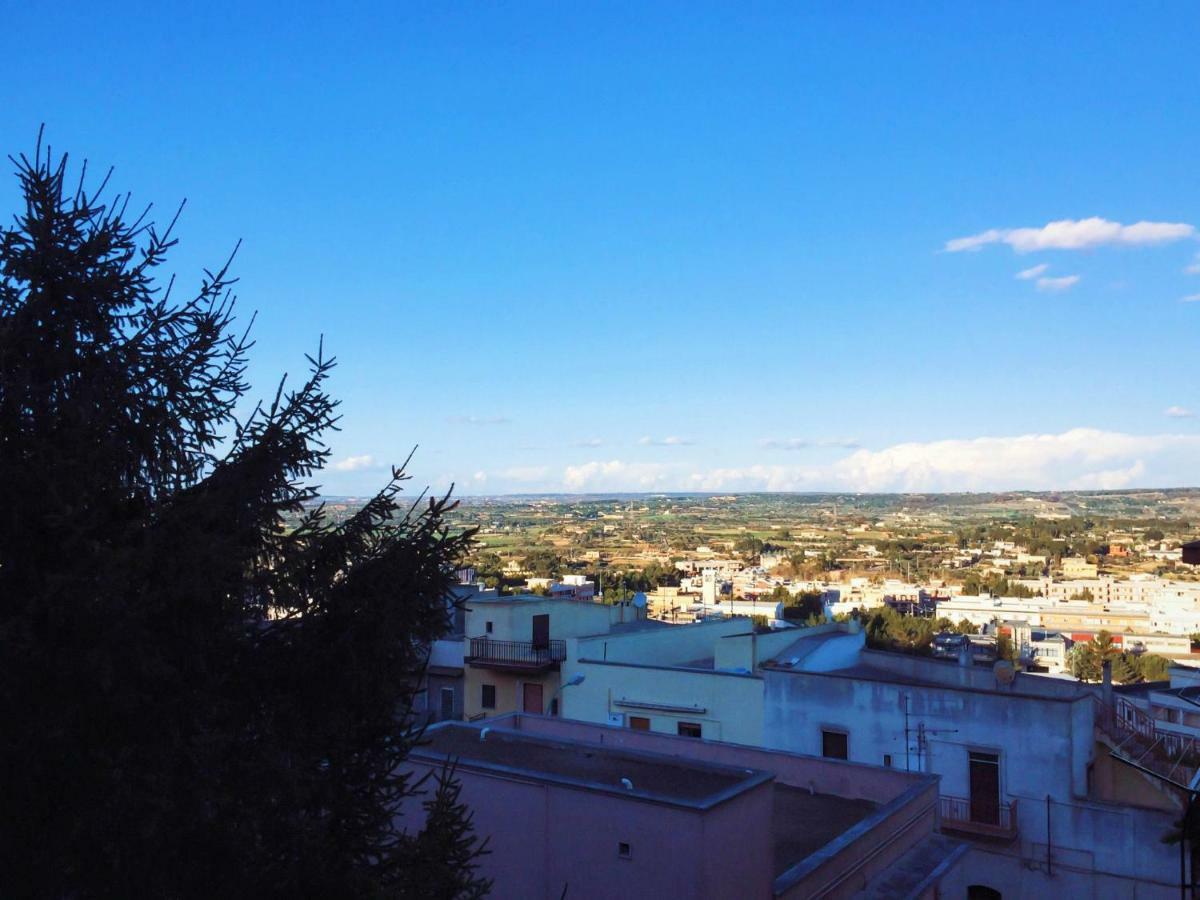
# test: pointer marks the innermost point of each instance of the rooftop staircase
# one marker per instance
(1135, 738)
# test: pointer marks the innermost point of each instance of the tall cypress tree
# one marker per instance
(195, 700)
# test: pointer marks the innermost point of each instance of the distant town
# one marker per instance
(1047, 572)
(1033, 654)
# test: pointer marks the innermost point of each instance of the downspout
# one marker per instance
(1049, 859)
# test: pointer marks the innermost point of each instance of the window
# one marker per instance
(488, 701)
(835, 744)
(639, 723)
(624, 850)
(887, 760)
(689, 729)
(488, 627)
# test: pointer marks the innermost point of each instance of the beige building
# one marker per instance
(1078, 567)
(697, 680)
(516, 647)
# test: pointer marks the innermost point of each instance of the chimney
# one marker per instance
(1106, 688)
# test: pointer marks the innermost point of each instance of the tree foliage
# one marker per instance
(1087, 660)
(197, 701)
(994, 584)
(964, 626)
(887, 629)
(804, 606)
(748, 545)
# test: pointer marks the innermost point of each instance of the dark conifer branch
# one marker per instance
(198, 699)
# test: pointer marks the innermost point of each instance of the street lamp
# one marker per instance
(577, 679)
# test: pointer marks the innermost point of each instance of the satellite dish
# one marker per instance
(639, 600)
(1004, 672)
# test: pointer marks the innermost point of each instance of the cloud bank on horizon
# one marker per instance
(1078, 459)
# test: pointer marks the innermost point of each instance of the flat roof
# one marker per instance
(804, 822)
(1023, 687)
(655, 777)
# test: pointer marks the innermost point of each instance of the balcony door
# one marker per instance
(541, 632)
(985, 788)
(531, 694)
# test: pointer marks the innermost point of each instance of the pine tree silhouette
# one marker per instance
(195, 700)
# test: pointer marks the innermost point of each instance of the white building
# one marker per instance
(1025, 764)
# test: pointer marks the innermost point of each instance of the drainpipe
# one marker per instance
(1184, 845)
(1049, 862)
(1106, 686)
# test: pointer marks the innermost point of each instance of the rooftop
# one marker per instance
(895, 667)
(804, 822)
(655, 777)
(811, 827)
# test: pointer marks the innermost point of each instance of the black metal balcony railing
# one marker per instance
(519, 654)
(1137, 739)
(993, 822)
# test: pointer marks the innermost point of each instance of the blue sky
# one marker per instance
(676, 247)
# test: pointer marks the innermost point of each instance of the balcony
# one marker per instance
(997, 823)
(516, 656)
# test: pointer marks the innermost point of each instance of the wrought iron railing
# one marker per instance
(1138, 740)
(486, 651)
(998, 821)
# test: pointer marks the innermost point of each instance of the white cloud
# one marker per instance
(478, 420)
(669, 441)
(589, 442)
(615, 475)
(354, 463)
(1032, 272)
(1057, 285)
(1080, 459)
(1178, 412)
(1074, 234)
(1190, 298)
(1025, 461)
(1109, 479)
(1193, 268)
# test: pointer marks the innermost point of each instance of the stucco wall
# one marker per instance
(1034, 737)
(747, 650)
(732, 704)
(1127, 860)
(660, 646)
(826, 776)
(544, 838)
(508, 690)
(512, 620)
(1045, 747)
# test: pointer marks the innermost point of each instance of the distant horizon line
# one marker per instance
(535, 495)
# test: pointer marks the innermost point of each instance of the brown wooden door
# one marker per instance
(532, 699)
(985, 788)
